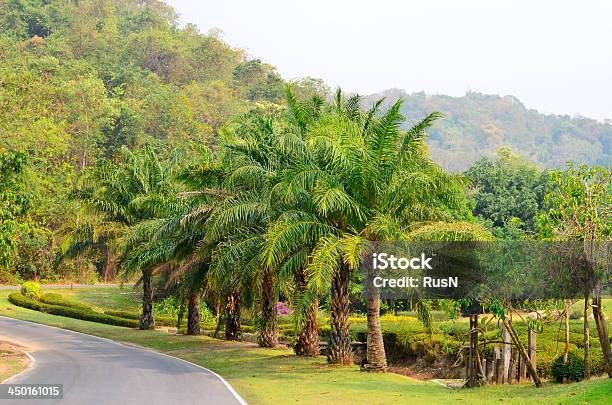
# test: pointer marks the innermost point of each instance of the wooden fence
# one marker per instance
(507, 365)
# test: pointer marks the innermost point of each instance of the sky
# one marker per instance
(555, 56)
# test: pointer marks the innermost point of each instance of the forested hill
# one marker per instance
(81, 80)
(478, 124)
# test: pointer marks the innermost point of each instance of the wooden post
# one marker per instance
(511, 366)
(522, 369)
(498, 371)
(491, 371)
(520, 346)
(531, 347)
(496, 357)
(505, 354)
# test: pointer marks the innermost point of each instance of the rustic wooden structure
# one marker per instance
(507, 365)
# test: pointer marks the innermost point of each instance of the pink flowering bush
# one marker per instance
(282, 309)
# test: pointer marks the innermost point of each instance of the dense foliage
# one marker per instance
(508, 192)
(133, 147)
(570, 370)
(79, 81)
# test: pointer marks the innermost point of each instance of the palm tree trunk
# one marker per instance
(308, 341)
(193, 314)
(376, 358)
(109, 264)
(602, 332)
(340, 349)
(146, 320)
(233, 319)
(268, 336)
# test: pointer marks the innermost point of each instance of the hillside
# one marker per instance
(479, 124)
(80, 81)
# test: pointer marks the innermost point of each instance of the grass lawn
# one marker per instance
(275, 376)
(126, 298)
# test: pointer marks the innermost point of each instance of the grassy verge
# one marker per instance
(12, 360)
(126, 299)
(266, 376)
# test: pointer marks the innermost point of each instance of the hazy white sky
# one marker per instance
(554, 55)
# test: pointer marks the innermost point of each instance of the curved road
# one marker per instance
(99, 371)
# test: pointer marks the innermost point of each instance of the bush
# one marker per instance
(159, 320)
(169, 308)
(31, 290)
(573, 370)
(123, 314)
(57, 299)
(577, 313)
(9, 278)
(86, 315)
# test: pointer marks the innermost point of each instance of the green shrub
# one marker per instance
(248, 328)
(31, 290)
(159, 320)
(123, 314)
(86, 315)
(57, 299)
(170, 308)
(573, 370)
(577, 313)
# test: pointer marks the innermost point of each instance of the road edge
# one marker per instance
(33, 360)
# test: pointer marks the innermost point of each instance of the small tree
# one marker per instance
(580, 207)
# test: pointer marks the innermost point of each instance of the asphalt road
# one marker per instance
(99, 371)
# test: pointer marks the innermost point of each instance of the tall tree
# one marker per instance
(14, 204)
(357, 178)
(580, 207)
(506, 189)
(130, 198)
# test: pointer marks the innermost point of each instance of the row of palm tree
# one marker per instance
(289, 203)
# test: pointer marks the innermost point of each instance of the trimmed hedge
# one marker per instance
(57, 299)
(86, 315)
(159, 320)
(123, 314)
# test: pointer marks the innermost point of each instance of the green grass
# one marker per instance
(267, 376)
(126, 298)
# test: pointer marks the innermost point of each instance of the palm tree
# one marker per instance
(127, 200)
(190, 261)
(359, 179)
(238, 224)
(261, 148)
